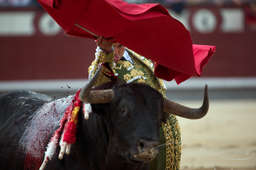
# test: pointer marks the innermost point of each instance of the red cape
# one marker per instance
(201, 53)
(147, 29)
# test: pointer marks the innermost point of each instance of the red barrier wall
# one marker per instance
(42, 51)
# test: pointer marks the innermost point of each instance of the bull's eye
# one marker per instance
(123, 111)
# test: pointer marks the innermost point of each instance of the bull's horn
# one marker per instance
(186, 112)
(86, 89)
(100, 96)
(95, 96)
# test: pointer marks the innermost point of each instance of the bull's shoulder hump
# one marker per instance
(19, 102)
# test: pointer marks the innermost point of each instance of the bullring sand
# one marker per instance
(223, 140)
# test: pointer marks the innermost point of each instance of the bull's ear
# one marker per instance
(164, 117)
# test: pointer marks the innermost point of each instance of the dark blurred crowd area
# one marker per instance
(177, 6)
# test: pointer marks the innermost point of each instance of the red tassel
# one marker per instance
(70, 127)
(70, 133)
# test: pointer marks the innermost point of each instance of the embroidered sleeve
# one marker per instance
(147, 66)
(100, 57)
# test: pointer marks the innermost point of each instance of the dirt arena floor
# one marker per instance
(224, 140)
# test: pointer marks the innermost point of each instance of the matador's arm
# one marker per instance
(100, 57)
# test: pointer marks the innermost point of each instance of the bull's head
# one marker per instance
(135, 114)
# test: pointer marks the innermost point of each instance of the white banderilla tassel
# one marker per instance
(48, 155)
(87, 109)
(65, 148)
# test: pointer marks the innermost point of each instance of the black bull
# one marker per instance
(120, 134)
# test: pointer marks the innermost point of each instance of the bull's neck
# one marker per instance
(93, 140)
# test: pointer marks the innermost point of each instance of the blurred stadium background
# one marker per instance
(35, 54)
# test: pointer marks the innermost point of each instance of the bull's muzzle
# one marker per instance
(147, 150)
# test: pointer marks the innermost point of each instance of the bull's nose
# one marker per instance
(147, 150)
(145, 145)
